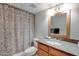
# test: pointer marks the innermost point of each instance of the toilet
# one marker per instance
(31, 51)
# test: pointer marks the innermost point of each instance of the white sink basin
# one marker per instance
(54, 43)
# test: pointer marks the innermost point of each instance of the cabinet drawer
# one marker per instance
(43, 47)
(42, 53)
(55, 52)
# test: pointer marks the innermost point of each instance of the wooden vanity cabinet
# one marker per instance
(55, 52)
(45, 50)
(42, 53)
(42, 50)
(43, 47)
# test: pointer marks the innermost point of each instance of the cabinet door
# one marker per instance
(43, 47)
(54, 52)
(42, 53)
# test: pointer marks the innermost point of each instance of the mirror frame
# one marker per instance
(68, 22)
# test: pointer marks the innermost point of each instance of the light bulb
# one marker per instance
(51, 12)
(66, 7)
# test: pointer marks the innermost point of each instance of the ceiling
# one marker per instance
(34, 7)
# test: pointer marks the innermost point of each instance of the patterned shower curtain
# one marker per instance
(16, 30)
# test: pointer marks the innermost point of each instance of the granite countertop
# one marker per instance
(61, 45)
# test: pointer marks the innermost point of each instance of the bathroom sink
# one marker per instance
(54, 43)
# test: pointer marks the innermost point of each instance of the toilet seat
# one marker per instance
(30, 51)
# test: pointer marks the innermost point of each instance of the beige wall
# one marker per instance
(41, 24)
(75, 22)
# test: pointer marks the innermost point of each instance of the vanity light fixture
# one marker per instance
(53, 11)
(65, 7)
(61, 8)
(57, 9)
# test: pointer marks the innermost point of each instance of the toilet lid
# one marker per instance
(30, 50)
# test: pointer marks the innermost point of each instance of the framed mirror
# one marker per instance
(59, 25)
